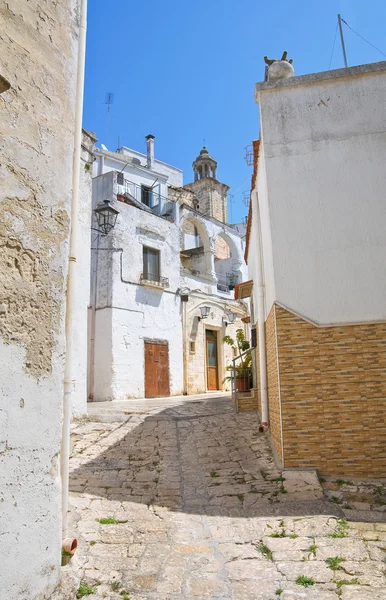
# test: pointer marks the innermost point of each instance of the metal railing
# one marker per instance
(151, 198)
(154, 279)
(241, 374)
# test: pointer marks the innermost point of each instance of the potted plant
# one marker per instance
(243, 371)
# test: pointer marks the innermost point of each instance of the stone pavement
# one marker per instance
(182, 500)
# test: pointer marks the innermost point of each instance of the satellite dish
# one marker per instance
(103, 147)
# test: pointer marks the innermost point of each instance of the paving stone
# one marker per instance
(191, 534)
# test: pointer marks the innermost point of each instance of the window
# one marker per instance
(146, 196)
(120, 179)
(151, 264)
(192, 347)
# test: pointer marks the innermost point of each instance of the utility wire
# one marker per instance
(361, 36)
(333, 47)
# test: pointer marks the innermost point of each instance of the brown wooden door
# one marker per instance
(156, 369)
(211, 359)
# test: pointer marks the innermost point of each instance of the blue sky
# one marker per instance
(185, 70)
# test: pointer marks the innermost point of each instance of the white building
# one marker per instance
(161, 264)
(316, 250)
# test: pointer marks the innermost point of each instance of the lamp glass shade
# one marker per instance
(204, 311)
(106, 216)
(231, 317)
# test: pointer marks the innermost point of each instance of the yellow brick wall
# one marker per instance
(273, 384)
(333, 395)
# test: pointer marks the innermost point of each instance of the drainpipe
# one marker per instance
(71, 280)
(184, 300)
(261, 317)
(94, 290)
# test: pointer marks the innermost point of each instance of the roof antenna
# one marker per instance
(109, 100)
(342, 41)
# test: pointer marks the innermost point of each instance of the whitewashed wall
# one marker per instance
(137, 311)
(82, 287)
(39, 58)
(324, 139)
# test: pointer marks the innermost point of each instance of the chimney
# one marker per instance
(150, 151)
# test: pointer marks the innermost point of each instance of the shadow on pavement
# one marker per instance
(196, 458)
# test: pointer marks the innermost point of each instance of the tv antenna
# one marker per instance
(109, 100)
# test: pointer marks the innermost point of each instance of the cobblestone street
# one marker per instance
(181, 499)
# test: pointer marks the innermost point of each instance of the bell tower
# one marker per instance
(211, 195)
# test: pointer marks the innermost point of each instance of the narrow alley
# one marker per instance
(181, 499)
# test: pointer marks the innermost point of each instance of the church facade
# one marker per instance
(162, 281)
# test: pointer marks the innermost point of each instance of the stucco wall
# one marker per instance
(135, 311)
(82, 286)
(38, 42)
(324, 140)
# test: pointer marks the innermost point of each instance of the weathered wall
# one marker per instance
(211, 198)
(82, 286)
(324, 138)
(333, 390)
(38, 42)
(195, 332)
(133, 311)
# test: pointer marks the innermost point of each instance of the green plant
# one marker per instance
(115, 585)
(110, 521)
(125, 595)
(305, 581)
(336, 500)
(312, 549)
(322, 479)
(279, 591)
(92, 543)
(214, 474)
(334, 562)
(85, 590)
(264, 550)
(342, 582)
(240, 497)
(341, 529)
(65, 553)
(241, 345)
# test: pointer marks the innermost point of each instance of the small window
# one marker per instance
(151, 263)
(147, 196)
(192, 347)
(120, 180)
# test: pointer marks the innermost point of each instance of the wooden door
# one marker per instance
(156, 369)
(211, 359)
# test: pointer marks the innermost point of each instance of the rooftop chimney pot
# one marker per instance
(150, 151)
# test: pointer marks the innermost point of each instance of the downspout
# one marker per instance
(261, 317)
(184, 350)
(71, 280)
(93, 324)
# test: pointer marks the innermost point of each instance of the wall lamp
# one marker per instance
(106, 217)
(205, 310)
(229, 318)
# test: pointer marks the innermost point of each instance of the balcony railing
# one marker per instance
(151, 198)
(154, 280)
(227, 283)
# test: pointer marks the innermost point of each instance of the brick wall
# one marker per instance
(273, 384)
(333, 395)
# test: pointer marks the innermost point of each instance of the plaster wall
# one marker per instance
(138, 311)
(261, 226)
(82, 287)
(38, 42)
(195, 332)
(324, 141)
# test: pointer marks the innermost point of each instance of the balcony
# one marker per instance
(154, 280)
(148, 199)
(226, 283)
